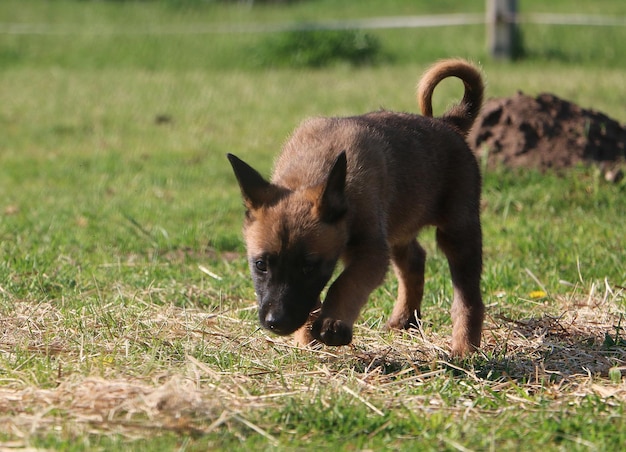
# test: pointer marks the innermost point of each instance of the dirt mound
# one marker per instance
(545, 132)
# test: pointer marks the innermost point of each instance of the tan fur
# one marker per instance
(359, 189)
(464, 114)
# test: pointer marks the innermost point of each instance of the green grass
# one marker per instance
(177, 35)
(115, 190)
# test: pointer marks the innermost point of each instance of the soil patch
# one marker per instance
(545, 132)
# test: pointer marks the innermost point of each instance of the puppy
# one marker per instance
(359, 189)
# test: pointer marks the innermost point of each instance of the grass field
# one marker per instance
(127, 315)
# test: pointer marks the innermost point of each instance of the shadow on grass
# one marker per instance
(584, 340)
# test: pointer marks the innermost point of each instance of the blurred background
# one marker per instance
(116, 115)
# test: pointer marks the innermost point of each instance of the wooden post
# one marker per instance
(502, 28)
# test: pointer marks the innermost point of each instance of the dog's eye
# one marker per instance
(260, 265)
(309, 266)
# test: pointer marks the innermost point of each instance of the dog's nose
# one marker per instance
(272, 322)
(275, 322)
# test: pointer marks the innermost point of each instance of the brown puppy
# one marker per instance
(359, 189)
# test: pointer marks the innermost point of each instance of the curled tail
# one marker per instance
(462, 115)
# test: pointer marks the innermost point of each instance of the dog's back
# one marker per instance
(406, 162)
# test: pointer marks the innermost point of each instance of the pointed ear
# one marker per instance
(333, 204)
(255, 190)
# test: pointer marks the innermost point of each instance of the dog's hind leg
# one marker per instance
(408, 264)
(463, 249)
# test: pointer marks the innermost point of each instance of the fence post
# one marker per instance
(502, 28)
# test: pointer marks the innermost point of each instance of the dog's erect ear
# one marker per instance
(255, 190)
(333, 204)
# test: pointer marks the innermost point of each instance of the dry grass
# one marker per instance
(561, 353)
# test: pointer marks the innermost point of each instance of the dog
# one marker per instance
(359, 189)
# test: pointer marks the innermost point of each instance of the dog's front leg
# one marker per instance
(303, 335)
(364, 270)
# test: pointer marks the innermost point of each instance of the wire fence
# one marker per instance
(394, 22)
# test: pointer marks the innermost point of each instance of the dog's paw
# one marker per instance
(462, 350)
(332, 332)
(406, 322)
(304, 338)
(464, 344)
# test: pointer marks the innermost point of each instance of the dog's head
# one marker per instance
(294, 239)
